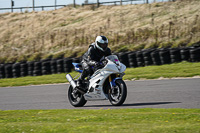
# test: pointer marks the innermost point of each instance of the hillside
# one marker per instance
(68, 31)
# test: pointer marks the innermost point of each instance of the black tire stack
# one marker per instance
(30, 68)
(2, 71)
(140, 58)
(175, 55)
(37, 69)
(132, 59)
(46, 68)
(185, 54)
(147, 57)
(155, 57)
(164, 56)
(76, 60)
(24, 69)
(195, 54)
(60, 66)
(53, 64)
(68, 65)
(8, 71)
(16, 70)
(123, 57)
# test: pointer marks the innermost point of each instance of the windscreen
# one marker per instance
(112, 58)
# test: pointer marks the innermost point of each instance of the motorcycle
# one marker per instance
(105, 84)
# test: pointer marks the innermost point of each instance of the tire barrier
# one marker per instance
(30, 68)
(195, 54)
(46, 68)
(24, 69)
(130, 59)
(2, 71)
(60, 67)
(147, 57)
(37, 69)
(123, 57)
(164, 56)
(16, 70)
(175, 55)
(140, 58)
(53, 64)
(8, 71)
(185, 54)
(68, 65)
(76, 60)
(155, 57)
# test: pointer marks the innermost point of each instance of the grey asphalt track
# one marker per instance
(172, 93)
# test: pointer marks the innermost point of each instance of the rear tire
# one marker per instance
(118, 97)
(76, 99)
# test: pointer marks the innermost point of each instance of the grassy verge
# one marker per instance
(119, 120)
(183, 69)
(37, 80)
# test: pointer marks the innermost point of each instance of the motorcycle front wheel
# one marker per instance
(76, 99)
(117, 95)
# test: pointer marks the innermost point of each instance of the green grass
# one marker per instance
(111, 121)
(183, 69)
(105, 120)
(35, 80)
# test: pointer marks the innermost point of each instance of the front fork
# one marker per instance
(112, 81)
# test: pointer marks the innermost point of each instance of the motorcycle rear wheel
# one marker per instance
(76, 99)
(118, 95)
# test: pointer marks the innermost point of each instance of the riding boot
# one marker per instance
(81, 78)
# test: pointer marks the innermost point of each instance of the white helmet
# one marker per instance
(101, 43)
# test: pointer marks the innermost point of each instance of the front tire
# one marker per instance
(76, 99)
(117, 96)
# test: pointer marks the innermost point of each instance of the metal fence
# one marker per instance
(31, 5)
(113, 2)
(22, 9)
(74, 4)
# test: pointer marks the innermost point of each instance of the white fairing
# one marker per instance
(95, 91)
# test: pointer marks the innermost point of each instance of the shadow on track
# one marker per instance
(134, 104)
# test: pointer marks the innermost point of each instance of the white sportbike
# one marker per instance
(106, 83)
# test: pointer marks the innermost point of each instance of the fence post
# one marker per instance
(55, 4)
(12, 4)
(120, 2)
(97, 3)
(147, 1)
(33, 5)
(74, 4)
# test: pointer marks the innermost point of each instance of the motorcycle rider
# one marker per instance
(90, 60)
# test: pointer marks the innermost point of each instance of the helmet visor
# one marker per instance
(103, 45)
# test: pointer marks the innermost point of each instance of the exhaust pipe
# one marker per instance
(73, 84)
(71, 81)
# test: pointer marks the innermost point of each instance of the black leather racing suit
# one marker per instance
(91, 58)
